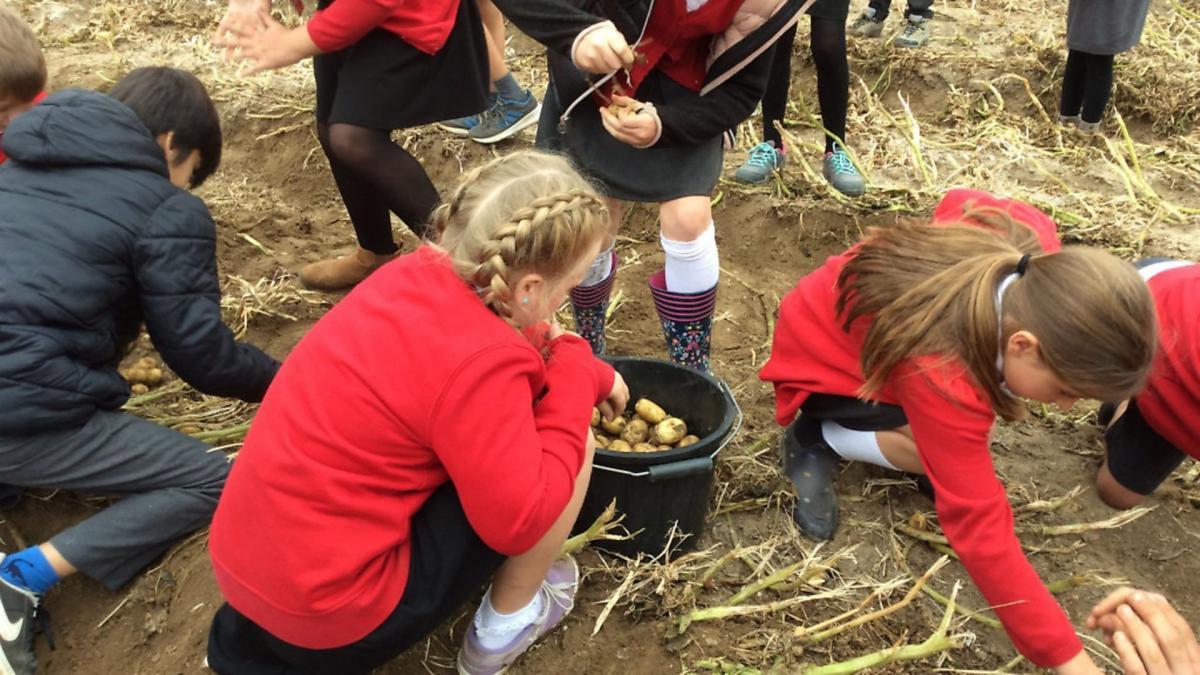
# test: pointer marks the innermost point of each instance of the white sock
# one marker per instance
(600, 270)
(692, 266)
(496, 630)
(859, 446)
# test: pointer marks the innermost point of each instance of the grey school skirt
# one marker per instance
(622, 171)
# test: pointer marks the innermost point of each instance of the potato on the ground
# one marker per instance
(139, 389)
(614, 426)
(670, 430)
(135, 375)
(619, 445)
(189, 429)
(649, 411)
(147, 362)
(635, 431)
(154, 377)
(690, 439)
(644, 447)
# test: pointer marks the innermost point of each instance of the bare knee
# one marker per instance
(1114, 494)
(685, 219)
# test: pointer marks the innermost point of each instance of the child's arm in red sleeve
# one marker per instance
(346, 21)
(973, 509)
(513, 460)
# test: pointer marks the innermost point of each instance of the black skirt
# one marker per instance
(383, 82)
(622, 171)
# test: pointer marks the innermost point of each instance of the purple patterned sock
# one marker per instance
(686, 321)
(589, 304)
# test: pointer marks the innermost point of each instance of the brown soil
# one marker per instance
(274, 186)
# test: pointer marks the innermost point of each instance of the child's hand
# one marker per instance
(613, 406)
(270, 45)
(632, 122)
(241, 16)
(1149, 636)
(602, 49)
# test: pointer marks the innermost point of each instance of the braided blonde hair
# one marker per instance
(527, 212)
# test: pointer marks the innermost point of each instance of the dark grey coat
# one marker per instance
(94, 241)
(1105, 26)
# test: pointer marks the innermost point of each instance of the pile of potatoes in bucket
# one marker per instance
(651, 429)
(145, 374)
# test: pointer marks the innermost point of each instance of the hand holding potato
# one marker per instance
(602, 49)
(613, 406)
(632, 122)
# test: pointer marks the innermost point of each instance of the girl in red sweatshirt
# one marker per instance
(414, 440)
(380, 65)
(902, 351)
(1149, 435)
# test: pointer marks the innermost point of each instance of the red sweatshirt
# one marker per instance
(3, 157)
(424, 24)
(951, 422)
(1170, 403)
(406, 384)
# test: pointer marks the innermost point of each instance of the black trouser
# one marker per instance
(915, 8)
(1087, 85)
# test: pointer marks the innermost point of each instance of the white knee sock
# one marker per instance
(496, 630)
(859, 446)
(692, 266)
(600, 270)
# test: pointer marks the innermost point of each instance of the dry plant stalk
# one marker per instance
(818, 633)
(602, 529)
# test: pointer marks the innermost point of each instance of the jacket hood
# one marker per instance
(77, 127)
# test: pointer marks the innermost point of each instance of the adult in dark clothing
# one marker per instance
(97, 236)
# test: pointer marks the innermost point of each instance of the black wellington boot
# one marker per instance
(810, 463)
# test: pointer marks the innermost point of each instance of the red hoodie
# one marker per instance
(1170, 403)
(424, 24)
(406, 384)
(951, 422)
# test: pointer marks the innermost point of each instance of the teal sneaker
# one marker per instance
(916, 33)
(842, 175)
(764, 160)
(505, 119)
(866, 25)
(463, 125)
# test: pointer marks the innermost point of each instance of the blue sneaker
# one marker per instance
(842, 175)
(764, 160)
(463, 125)
(506, 118)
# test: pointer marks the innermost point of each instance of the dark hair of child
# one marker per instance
(173, 100)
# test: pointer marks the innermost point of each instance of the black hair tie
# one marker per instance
(1022, 264)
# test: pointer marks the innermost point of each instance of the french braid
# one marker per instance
(525, 212)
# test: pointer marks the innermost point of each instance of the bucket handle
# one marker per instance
(664, 473)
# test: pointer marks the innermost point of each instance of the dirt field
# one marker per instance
(973, 108)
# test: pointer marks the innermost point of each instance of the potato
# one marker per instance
(139, 389)
(687, 440)
(619, 445)
(602, 441)
(649, 411)
(635, 431)
(666, 447)
(189, 429)
(147, 362)
(154, 377)
(614, 426)
(644, 447)
(136, 375)
(595, 417)
(670, 430)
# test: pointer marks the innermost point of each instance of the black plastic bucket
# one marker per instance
(657, 490)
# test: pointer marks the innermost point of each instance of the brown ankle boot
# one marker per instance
(344, 272)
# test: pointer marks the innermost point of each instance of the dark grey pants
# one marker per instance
(169, 482)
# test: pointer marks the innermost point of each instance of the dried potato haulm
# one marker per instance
(650, 429)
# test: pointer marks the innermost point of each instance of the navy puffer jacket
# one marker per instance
(94, 241)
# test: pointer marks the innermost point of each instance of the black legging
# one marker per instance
(1087, 85)
(833, 80)
(374, 176)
